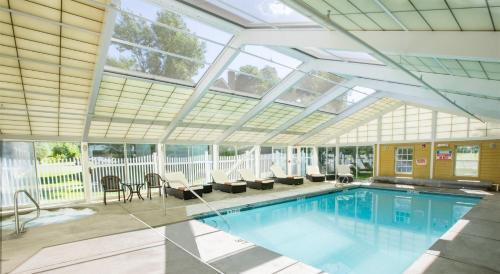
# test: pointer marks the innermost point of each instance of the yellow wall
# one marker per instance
(420, 151)
(489, 160)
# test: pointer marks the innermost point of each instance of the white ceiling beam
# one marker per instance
(218, 66)
(268, 99)
(388, 74)
(426, 98)
(104, 42)
(327, 22)
(321, 101)
(471, 45)
(348, 112)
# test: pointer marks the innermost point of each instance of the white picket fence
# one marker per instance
(266, 161)
(231, 164)
(130, 170)
(195, 168)
(60, 180)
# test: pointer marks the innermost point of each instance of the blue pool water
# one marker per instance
(354, 231)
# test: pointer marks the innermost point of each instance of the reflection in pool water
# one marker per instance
(49, 217)
(356, 231)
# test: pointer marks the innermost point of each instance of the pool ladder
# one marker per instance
(20, 226)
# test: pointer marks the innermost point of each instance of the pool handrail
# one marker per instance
(20, 227)
(166, 183)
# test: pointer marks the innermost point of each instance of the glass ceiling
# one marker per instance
(455, 67)
(310, 122)
(347, 99)
(343, 126)
(272, 117)
(48, 56)
(451, 15)
(219, 109)
(257, 13)
(150, 40)
(46, 66)
(310, 88)
(254, 76)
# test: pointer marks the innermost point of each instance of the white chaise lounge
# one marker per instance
(223, 183)
(313, 174)
(176, 186)
(253, 182)
(282, 178)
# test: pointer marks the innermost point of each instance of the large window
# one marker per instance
(326, 158)
(404, 160)
(467, 161)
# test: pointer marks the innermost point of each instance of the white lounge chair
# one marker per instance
(176, 186)
(313, 174)
(253, 182)
(223, 183)
(344, 174)
(282, 178)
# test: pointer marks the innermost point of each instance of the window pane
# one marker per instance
(138, 150)
(253, 75)
(467, 160)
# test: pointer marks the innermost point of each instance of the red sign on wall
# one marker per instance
(444, 155)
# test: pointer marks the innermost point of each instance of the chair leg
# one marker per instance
(149, 193)
(105, 198)
(124, 199)
(119, 196)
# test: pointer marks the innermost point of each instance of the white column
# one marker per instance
(337, 155)
(86, 172)
(127, 175)
(315, 160)
(433, 141)
(215, 156)
(289, 150)
(160, 152)
(378, 160)
(256, 152)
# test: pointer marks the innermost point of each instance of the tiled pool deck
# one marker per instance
(470, 246)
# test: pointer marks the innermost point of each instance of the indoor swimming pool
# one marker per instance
(361, 230)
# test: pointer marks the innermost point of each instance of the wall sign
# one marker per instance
(444, 154)
(421, 162)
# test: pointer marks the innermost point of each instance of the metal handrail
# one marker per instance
(20, 228)
(197, 196)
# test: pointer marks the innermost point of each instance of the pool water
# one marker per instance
(47, 217)
(353, 231)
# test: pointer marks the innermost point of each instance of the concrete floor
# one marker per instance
(471, 246)
(115, 218)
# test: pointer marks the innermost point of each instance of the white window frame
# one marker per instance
(406, 152)
(456, 159)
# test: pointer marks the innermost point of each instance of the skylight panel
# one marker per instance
(150, 62)
(347, 99)
(219, 109)
(151, 40)
(263, 11)
(354, 56)
(253, 75)
(274, 116)
(310, 88)
(311, 122)
(150, 12)
(282, 138)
